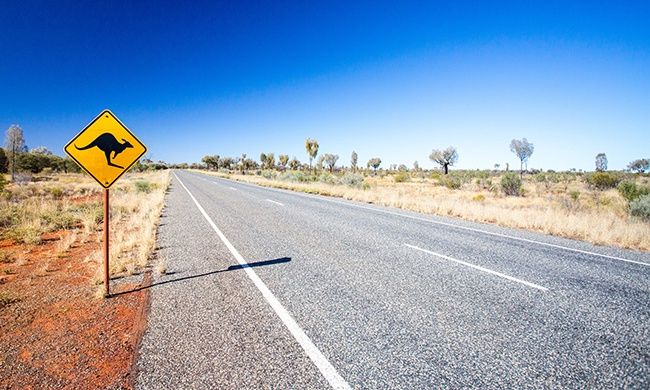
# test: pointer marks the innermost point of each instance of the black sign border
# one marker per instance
(106, 111)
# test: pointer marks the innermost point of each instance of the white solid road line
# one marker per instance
(272, 201)
(499, 274)
(324, 366)
(233, 188)
(448, 224)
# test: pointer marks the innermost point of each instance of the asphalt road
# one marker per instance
(343, 294)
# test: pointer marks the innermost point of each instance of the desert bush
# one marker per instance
(60, 218)
(511, 184)
(7, 258)
(327, 178)
(603, 180)
(267, 174)
(540, 177)
(453, 183)
(401, 177)
(641, 208)
(435, 175)
(293, 176)
(478, 198)
(7, 298)
(144, 186)
(57, 192)
(631, 191)
(352, 179)
(575, 195)
(9, 215)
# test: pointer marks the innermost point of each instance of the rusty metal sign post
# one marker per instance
(105, 149)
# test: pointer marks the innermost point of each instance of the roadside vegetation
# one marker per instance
(602, 207)
(69, 208)
(51, 278)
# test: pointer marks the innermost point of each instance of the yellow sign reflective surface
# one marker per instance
(105, 149)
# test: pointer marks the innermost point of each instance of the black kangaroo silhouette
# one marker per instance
(108, 144)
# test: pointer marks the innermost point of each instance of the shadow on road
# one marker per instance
(231, 268)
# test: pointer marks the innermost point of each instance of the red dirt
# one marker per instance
(59, 333)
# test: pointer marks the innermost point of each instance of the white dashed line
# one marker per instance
(272, 201)
(452, 225)
(489, 271)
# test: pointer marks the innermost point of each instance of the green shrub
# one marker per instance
(435, 175)
(603, 180)
(478, 198)
(401, 177)
(631, 191)
(453, 183)
(25, 234)
(641, 208)
(352, 179)
(575, 195)
(267, 174)
(57, 192)
(293, 176)
(9, 215)
(7, 298)
(144, 186)
(511, 184)
(327, 178)
(61, 218)
(540, 177)
(6, 258)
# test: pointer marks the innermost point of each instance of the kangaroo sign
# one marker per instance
(105, 149)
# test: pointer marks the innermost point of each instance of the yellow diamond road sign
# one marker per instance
(105, 149)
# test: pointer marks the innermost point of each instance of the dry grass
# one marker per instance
(135, 213)
(7, 298)
(65, 243)
(70, 207)
(566, 208)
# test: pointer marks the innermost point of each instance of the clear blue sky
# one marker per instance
(392, 80)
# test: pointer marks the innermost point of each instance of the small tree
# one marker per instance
(269, 162)
(14, 144)
(523, 149)
(330, 160)
(511, 184)
(262, 159)
(601, 162)
(639, 166)
(445, 157)
(311, 145)
(374, 162)
(353, 161)
(283, 160)
(242, 163)
(294, 164)
(4, 162)
(416, 166)
(226, 162)
(212, 162)
(319, 162)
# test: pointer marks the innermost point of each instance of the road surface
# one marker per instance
(273, 289)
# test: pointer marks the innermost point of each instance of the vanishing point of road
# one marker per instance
(267, 288)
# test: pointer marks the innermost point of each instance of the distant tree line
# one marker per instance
(445, 158)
